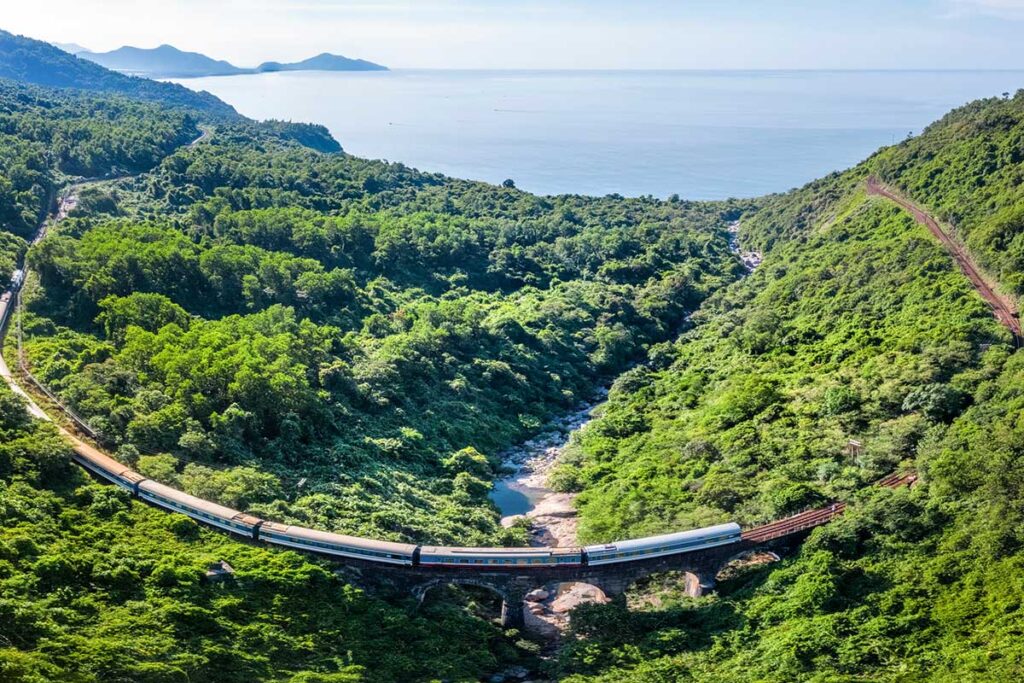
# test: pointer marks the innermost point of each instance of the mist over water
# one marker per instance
(702, 135)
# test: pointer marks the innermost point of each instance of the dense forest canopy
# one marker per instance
(857, 326)
(260, 309)
(252, 304)
(95, 586)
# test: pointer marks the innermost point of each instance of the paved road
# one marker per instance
(1002, 306)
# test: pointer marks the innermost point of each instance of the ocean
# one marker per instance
(698, 134)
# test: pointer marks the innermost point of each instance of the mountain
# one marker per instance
(323, 62)
(165, 61)
(73, 48)
(34, 61)
(168, 61)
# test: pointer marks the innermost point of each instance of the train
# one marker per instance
(254, 528)
(8, 297)
(6, 304)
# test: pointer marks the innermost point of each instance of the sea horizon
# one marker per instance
(701, 134)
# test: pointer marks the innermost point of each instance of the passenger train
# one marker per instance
(339, 545)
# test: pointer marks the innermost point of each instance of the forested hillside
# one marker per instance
(379, 332)
(250, 313)
(856, 327)
(33, 61)
(264, 321)
(97, 587)
(48, 135)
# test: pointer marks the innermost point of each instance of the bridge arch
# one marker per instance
(751, 556)
(696, 582)
(420, 591)
(511, 596)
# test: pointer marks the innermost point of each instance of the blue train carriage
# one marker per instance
(667, 544)
(5, 306)
(106, 467)
(198, 509)
(499, 558)
(337, 544)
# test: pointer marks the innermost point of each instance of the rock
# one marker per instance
(575, 596)
(537, 595)
(510, 521)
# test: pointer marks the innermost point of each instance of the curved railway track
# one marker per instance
(1002, 306)
(103, 465)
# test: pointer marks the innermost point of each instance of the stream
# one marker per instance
(525, 492)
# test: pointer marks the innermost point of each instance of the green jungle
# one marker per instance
(246, 312)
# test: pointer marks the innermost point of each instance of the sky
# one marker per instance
(563, 34)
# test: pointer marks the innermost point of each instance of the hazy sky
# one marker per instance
(559, 33)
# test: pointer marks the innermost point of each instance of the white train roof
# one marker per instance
(338, 539)
(206, 506)
(543, 551)
(668, 539)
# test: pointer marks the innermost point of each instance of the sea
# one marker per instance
(696, 134)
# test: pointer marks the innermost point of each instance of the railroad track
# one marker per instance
(776, 529)
(1002, 306)
(818, 516)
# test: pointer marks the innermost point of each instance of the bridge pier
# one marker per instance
(700, 569)
(512, 612)
(700, 584)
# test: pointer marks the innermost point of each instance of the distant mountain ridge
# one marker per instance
(73, 48)
(34, 61)
(168, 61)
(162, 61)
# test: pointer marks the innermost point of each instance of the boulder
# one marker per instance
(537, 595)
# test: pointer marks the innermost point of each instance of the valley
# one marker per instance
(244, 312)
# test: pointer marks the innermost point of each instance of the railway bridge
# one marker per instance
(701, 567)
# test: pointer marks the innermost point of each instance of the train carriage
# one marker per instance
(338, 544)
(106, 467)
(201, 510)
(499, 558)
(666, 544)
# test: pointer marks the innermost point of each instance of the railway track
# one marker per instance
(776, 529)
(818, 516)
(1002, 306)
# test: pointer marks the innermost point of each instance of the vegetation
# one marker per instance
(855, 326)
(968, 167)
(350, 344)
(96, 587)
(32, 61)
(48, 135)
(353, 323)
(862, 331)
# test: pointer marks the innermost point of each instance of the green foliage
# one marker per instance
(869, 320)
(95, 586)
(46, 133)
(353, 324)
(33, 61)
(969, 168)
(856, 326)
(349, 344)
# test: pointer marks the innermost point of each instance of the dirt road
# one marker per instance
(1003, 308)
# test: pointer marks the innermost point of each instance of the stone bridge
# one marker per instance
(701, 567)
